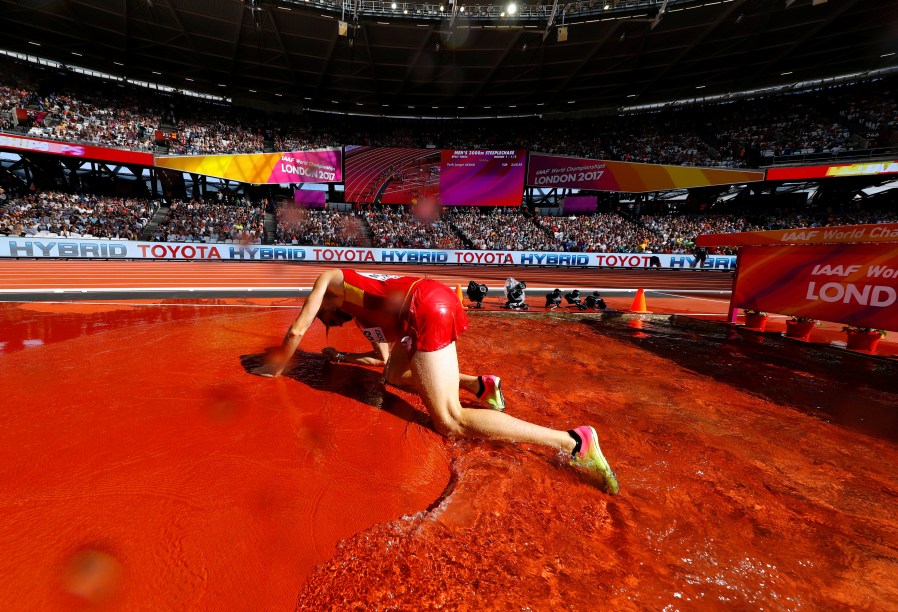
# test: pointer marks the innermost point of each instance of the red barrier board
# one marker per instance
(869, 168)
(856, 284)
(873, 232)
(72, 149)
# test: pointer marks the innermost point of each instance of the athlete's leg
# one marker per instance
(399, 374)
(437, 378)
(398, 371)
(436, 375)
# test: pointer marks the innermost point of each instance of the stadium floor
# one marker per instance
(144, 467)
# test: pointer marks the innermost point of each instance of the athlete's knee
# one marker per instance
(450, 422)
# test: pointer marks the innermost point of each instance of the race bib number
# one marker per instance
(374, 334)
(376, 276)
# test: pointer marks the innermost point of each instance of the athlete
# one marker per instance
(413, 324)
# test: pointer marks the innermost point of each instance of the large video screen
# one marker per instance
(449, 177)
(482, 178)
(391, 175)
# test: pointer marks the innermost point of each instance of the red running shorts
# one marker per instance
(435, 317)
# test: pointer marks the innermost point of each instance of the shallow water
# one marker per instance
(143, 467)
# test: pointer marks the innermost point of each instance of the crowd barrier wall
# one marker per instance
(62, 248)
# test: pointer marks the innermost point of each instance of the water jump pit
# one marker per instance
(144, 467)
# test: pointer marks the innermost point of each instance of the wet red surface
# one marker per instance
(144, 468)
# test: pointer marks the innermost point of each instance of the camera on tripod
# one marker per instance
(595, 301)
(514, 293)
(573, 299)
(477, 293)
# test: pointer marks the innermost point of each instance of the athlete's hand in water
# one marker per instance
(274, 364)
(269, 370)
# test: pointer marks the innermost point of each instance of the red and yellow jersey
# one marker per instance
(376, 302)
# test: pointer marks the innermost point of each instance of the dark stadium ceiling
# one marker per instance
(459, 63)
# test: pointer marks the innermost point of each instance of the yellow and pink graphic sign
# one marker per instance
(319, 166)
(603, 175)
(867, 168)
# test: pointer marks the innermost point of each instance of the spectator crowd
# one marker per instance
(401, 227)
(199, 221)
(317, 227)
(56, 214)
(53, 214)
(732, 133)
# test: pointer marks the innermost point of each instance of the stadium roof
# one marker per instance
(452, 63)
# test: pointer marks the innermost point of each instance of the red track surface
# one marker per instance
(40, 275)
(687, 292)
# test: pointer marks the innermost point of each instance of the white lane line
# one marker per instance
(148, 289)
(618, 290)
(171, 281)
(81, 303)
(297, 306)
(75, 288)
(686, 297)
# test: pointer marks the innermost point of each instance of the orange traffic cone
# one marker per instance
(459, 294)
(638, 305)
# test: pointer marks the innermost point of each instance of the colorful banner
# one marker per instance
(321, 166)
(603, 175)
(71, 149)
(876, 232)
(482, 178)
(852, 284)
(307, 198)
(580, 204)
(802, 173)
(120, 249)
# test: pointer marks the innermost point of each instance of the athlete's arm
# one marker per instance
(299, 327)
(378, 356)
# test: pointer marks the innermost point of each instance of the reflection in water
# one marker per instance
(33, 324)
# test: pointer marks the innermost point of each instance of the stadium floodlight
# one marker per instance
(512, 8)
(393, 6)
(562, 33)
